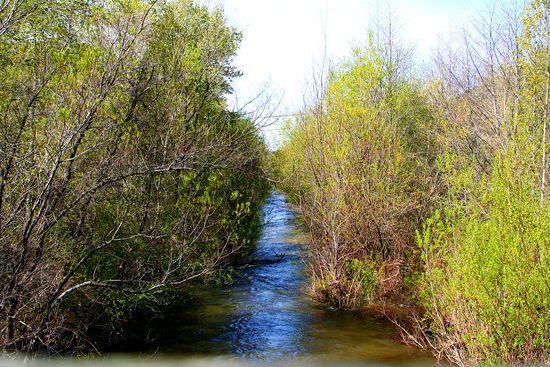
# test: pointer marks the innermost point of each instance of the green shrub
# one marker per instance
(486, 268)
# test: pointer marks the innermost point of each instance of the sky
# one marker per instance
(284, 41)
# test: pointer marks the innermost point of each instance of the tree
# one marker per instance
(122, 171)
(485, 252)
(350, 158)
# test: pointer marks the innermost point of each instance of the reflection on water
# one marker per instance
(265, 318)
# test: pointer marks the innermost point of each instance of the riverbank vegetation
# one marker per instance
(123, 174)
(432, 191)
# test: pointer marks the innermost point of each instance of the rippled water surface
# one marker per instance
(266, 319)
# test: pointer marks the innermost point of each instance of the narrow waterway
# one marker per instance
(265, 318)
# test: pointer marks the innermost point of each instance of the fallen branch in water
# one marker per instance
(256, 262)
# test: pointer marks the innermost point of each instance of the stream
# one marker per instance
(266, 318)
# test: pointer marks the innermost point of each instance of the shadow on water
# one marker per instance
(266, 316)
(266, 319)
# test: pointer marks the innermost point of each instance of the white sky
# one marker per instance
(283, 40)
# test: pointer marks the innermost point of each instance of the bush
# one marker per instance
(485, 282)
(356, 163)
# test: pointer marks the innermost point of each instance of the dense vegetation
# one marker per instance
(433, 191)
(123, 175)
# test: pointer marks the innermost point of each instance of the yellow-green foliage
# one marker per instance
(486, 281)
(350, 162)
(373, 156)
(486, 275)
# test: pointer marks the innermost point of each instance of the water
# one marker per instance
(266, 318)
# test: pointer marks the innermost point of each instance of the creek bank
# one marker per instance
(266, 315)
